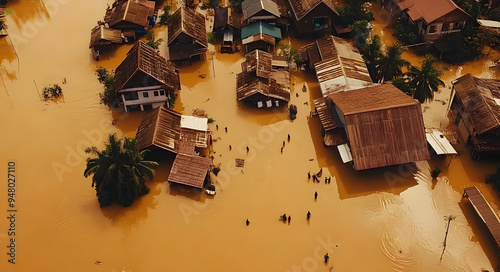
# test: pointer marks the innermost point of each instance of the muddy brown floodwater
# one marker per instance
(389, 219)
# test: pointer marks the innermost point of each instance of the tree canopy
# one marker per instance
(118, 171)
(391, 64)
(425, 81)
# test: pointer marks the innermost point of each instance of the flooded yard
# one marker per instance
(389, 219)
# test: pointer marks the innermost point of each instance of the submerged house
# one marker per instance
(269, 11)
(260, 36)
(129, 14)
(374, 127)
(312, 16)
(337, 63)
(102, 36)
(227, 26)
(187, 35)
(182, 135)
(260, 84)
(433, 18)
(475, 107)
(144, 79)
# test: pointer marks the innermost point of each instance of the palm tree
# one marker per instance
(391, 64)
(373, 53)
(425, 81)
(118, 171)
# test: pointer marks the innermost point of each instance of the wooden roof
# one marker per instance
(102, 35)
(142, 58)
(338, 64)
(301, 8)
(258, 77)
(189, 22)
(161, 127)
(478, 98)
(484, 211)
(131, 11)
(324, 110)
(432, 10)
(189, 170)
(227, 16)
(384, 126)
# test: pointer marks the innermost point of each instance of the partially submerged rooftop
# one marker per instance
(129, 13)
(301, 8)
(430, 10)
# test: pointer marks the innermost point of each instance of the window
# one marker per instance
(445, 26)
(162, 93)
(432, 29)
(145, 94)
(155, 93)
(320, 23)
(457, 25)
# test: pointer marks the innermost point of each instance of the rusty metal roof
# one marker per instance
(338, 64)
(258, 77)
(484, 211)
(227, 16)
(135, 12)
(324, 110)
(189, 170)
(431, 10)
(102, 35)
(384, 126)
(481, 100)
(301, 8)
(189, 22)
(143, 62)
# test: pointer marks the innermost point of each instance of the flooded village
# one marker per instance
(278, 145)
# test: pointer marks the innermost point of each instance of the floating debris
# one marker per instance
(240, 162)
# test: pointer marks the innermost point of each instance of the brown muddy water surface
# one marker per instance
(389, 219)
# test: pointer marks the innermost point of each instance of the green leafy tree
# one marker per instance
(425, 81)
(372, 53)
(360, 32)
(118, 171)
(109, 97)
(405, 32)
(165, 15)
(150, 37)
(211, 37)
(291, 54)
(402, 84)
(352, 11)
(391, 64)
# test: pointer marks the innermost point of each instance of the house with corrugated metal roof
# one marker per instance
(433, 18)
(182, 135)
(269, 11)
(144, 79)
(129, 14)
(337, 63)
(102, 36)
(260, 84)
(187, 35)
(312, 16)
(374, 127)
(261, 36)
(475, 107)
(227, 27)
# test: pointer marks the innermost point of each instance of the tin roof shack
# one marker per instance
(227, 27)
(187, 36)
(269, 11)
(102, 37)
(338, 65)
(312, 16)
(433, 18)
(383, 127)
(260, 84)
(144, 79)
(475, 106)
(260, 36)
(129, 14)
(168, 130)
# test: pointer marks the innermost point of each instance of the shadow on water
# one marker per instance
(352, 183)
(23, 13)
(188, 192)
(9, 59)
(481, 232)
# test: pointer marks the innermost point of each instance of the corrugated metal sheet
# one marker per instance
(252, 7)
(259, 37)
(101, 35)
(260, 28)
(384, 126)
(484, 210)
(142, 58)
(193, 122)
(338, 64)
(478, 99)
(325, 113)
(189, 170)
(258, 61)
(439, 143)
(345, 153)
(130, 11)
(489, 23)
(301, 8)
(189, 22)
(430, 10)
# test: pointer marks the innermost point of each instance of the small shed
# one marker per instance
(102, 36)
(261, 85)
(187, 35)
(129, 14)
(190, 170)
(261, 36)
(310, 16)
(227, 26)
